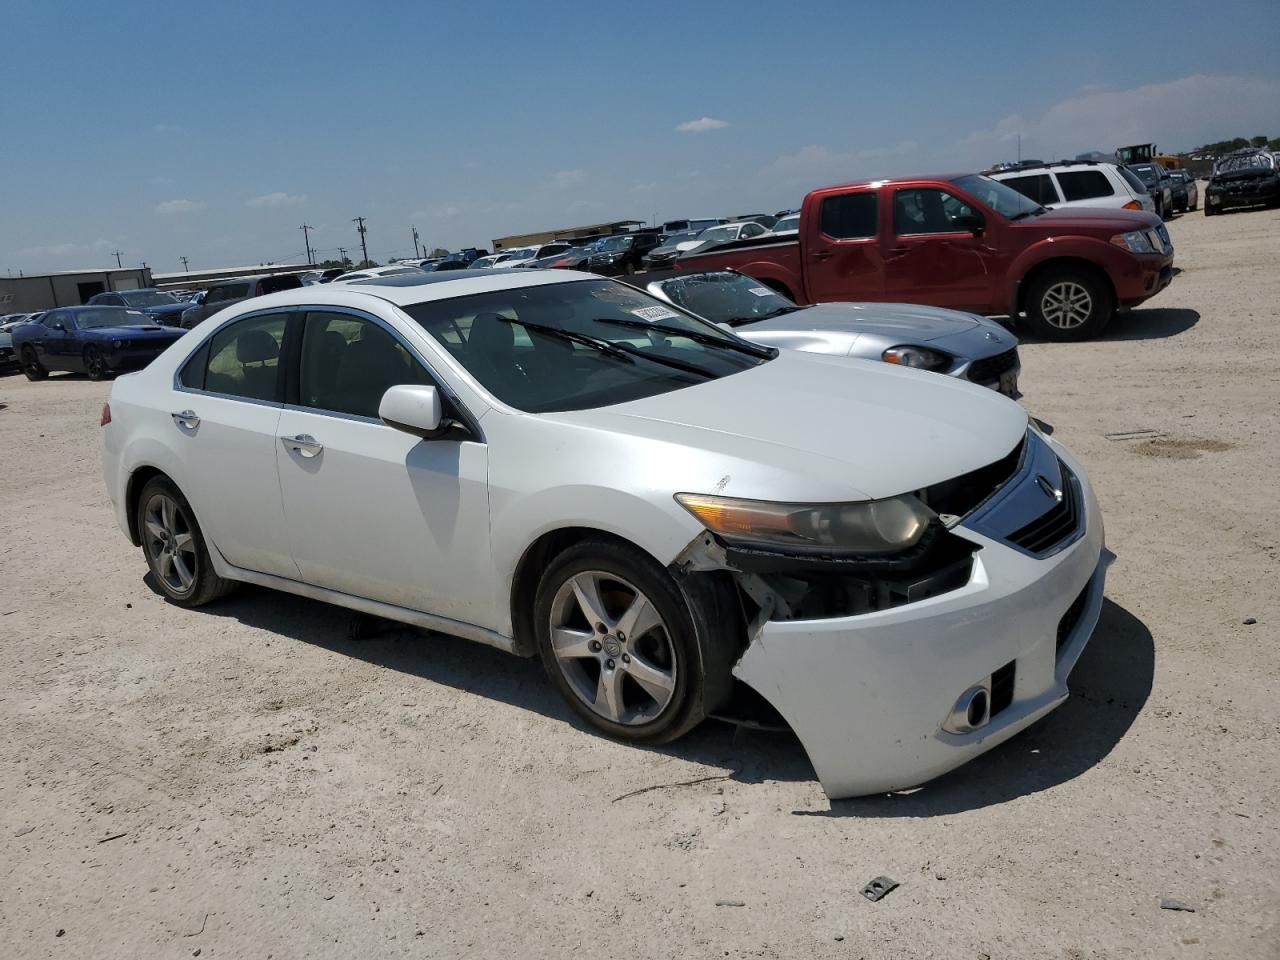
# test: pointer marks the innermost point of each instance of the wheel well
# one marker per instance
(137, 480)
(1061, 263)
(524, 583)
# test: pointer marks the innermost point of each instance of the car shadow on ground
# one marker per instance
(1156, 323)
(1109, 686)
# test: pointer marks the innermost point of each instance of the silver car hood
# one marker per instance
(805, 426)
(893, 320)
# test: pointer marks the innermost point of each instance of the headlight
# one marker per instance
(871, 527)
(920, 357)
(1135, 241)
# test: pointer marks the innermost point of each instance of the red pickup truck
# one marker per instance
(966, 242)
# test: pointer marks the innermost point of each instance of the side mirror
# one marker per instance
(412, 409)
(973, 222)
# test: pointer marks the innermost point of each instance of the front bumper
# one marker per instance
(1246, 193)
(868, 695)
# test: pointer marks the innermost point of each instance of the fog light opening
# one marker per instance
(972, 710)
(977, 712)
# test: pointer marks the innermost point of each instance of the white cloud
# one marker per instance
(167, 128)
(701, 125)
(644, 188)
(170, 207)
(568, 178)
(277, 199)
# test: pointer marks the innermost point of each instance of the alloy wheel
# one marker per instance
(170, 543)
(613, 648)
(94, 364)
(30, 362)
(1066, 305)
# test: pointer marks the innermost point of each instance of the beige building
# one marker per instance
(67, 288)
(588, 232)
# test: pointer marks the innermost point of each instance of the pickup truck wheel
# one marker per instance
(31, 364)
(617, 639)
(1069, 305)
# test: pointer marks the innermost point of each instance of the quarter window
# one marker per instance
(1085, 185)
(244, 358)
(1038, 187)
(349, 362)
(849, 216)
(925, 210)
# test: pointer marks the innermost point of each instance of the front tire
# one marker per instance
(31, 364)
(174, 546)
(618, 641)
(95, 364)
(1069, 304)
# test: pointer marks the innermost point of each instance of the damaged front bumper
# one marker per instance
(874, 697)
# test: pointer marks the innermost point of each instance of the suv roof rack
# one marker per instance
(1045, 164)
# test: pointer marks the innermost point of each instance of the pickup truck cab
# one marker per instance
(964, 242)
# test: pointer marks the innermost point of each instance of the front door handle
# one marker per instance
(822, 254)
(304, 444)
(186, 419)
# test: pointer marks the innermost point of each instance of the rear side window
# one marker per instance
(1038, 187)
(1085, 185)
(849, 216)
(244, 358)
(192, 375)
(349, 362)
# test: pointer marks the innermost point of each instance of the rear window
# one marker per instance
(1084, 185)
(288, 281)
(849, 216)
(1038, 187)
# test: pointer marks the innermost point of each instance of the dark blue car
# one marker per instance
(165, 307)
(98, 341)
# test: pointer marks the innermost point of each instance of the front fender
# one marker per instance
(1107, 257)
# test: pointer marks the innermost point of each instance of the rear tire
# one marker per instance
(1069, 304)
(174, 546)
(645, 685)
(95, 364)
(31, 364)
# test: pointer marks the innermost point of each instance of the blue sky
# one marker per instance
(213, 130)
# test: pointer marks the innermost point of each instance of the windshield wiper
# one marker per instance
(1028, 213)
(604, 346)
(684, 365)
(698, 336)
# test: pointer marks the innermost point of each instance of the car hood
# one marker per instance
(909, 321)
(1099, 219)
(804, 426)
(1233, 176)
(133, 332)
(166, 309)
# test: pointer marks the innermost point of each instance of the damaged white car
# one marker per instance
(557, 464)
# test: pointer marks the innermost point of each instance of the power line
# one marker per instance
(359, 221)
(306, 238)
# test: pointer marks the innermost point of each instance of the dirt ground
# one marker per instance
(247, 781)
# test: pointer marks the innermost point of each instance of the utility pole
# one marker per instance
(116, 254)
(359, 221)
(342, 254)
(1019, 148)
(306, 238)
(415, 242)
(184, 264)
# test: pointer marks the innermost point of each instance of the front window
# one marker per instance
(616, 244)
(112, 317)
(725, 297)
(581, 345)
(1003, 200)
(349, 362)
(787, 223)
(147, 298)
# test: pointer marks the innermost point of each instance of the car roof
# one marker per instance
(409, 289)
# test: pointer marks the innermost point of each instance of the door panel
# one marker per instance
(381, 514)
(928, 260)
(843, 260)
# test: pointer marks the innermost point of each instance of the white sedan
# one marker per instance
(560, 465)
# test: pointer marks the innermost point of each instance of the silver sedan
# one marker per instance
(945, 341)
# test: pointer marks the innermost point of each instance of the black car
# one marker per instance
(621, 254)
(1186, 195)
(164, 306)
(224, 294)
(1243, 178)
(1156, 179)
(665, 252)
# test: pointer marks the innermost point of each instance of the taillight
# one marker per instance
(106, 415)
(1133, 205)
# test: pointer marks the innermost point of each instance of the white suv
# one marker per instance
(1078, 184)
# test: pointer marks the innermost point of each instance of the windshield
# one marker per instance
(1003, 200)
(524, 253)
(147, 298)
(671, 239)
(1132, 179)
(787, 223)
(602, 343)
(726, 297)
(615, 244)
(719, 234)
(112, 317)
(1146, 173)
(1249, 161)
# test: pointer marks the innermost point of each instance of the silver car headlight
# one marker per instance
(922, 358)
(869, 527)
(1135, 241)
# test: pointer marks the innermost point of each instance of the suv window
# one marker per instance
(1084, 184)
(1038, 187)
(244, 358)
(920, 210)
(849, 216)
(349, 362)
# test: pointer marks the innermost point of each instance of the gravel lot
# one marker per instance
(249, 781)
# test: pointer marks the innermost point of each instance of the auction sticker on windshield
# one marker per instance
(761, 291)
(654, 314)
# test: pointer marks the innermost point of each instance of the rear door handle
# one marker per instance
(186, 419)
(304, 444)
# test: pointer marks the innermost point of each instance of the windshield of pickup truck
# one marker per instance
(1003, 200)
